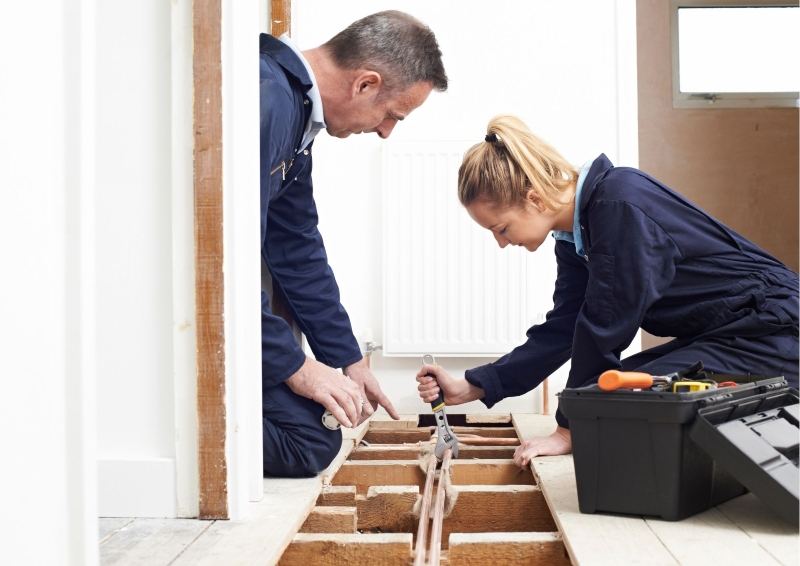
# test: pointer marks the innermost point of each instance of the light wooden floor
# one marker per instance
(741, 531)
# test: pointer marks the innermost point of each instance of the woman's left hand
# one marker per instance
(558, 443)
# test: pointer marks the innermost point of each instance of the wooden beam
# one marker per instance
(498, 508)
(386, 452)
(477, 419)
(386, 549)
(489, 472)
(412, 452)
(331, 519)
(365, 473)
(503, 435)
(209, 286)
(397, 436)
(387, 509)
(506, 549)
(475, 440)
(486, 431)
(281, 17)
(405, 422)
(337, 495)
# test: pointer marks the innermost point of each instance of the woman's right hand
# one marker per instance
(456, 391)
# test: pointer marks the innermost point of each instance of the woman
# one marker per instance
(631, 253)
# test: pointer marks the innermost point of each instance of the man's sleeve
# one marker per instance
(549, 344)
(295, 255)
(631, 264)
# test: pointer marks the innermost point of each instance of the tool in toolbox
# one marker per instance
(445, 438)
(689, 380)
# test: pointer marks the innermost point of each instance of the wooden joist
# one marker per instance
(387, 508)
(489, 472)
(386, 549)
(365, 473)
(337, 495)
(412, 452)
(498, 508)
(331, 519)
(398, 436)
(405, 435)
(478, 508)
(486, 431)
(506, 549)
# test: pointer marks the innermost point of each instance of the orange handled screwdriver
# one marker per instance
(613, 379)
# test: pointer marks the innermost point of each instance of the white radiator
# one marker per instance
(448, 288)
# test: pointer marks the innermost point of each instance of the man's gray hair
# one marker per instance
(396, 45)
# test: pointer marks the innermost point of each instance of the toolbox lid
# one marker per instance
(755, 439)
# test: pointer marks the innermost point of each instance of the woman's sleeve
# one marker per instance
(549, 344)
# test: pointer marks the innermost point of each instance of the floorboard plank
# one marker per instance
(709, 536)
(151, 542)
(108, 526)
(778, 538)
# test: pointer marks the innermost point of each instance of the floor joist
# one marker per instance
(337, 549)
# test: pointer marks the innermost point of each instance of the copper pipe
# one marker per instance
(425, 509)
(438, 512)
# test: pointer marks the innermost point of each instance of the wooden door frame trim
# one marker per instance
(280, 17)
(209, 283)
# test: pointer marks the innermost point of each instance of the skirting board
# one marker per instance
(136, 488)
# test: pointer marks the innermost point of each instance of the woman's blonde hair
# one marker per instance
(509, 163)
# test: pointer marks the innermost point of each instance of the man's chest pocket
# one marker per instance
(287, 171)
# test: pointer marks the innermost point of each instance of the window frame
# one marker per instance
(723, 99)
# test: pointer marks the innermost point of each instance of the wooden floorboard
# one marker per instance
(108, 527)
(774, 535)
(709, 536)
(741, 531)
(150, 542)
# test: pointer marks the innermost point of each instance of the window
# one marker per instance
(732, 53)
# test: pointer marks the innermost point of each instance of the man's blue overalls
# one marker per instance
(295, 442)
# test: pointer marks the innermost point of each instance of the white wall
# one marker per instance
(47, 477)
(566, 68)
(136, 427)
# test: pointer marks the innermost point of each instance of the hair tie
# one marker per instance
(492, 138)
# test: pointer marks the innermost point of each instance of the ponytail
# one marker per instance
(510, 162)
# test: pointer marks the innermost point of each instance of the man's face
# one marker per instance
(366, 112)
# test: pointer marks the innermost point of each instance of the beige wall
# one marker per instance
(739, 164)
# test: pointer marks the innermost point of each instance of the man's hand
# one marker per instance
(334, 391)
(370, 390)
(456, 391)
(558, 443)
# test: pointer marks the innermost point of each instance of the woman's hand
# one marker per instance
(456, 391)
(558, 443)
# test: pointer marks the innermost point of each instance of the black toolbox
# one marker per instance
(672, 455)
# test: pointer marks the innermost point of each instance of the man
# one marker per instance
(365, 79)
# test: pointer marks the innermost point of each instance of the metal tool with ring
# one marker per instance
(445, 438)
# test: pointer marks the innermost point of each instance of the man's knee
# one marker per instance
(299, 452)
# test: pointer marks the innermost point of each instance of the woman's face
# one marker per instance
(525, 225)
